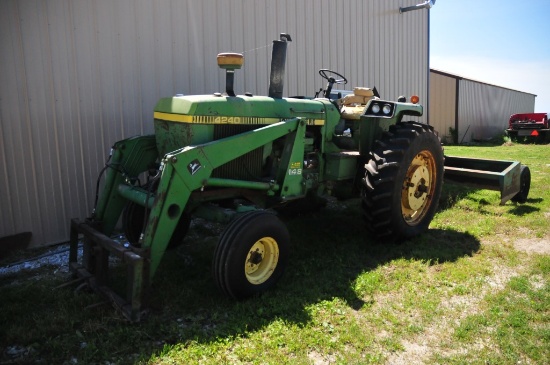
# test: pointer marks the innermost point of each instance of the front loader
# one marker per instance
(236, 159)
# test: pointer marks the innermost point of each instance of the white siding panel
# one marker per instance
(77, 75)
(480, 111)
(443, 104)
(484, 109)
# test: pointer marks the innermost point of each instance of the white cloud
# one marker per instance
(524, 75)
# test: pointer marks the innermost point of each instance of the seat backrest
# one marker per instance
(354, 104)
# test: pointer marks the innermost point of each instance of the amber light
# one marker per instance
(415, 99)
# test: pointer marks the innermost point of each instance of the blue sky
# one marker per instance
(501, 42)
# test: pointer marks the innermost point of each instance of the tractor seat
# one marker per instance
(353, 105)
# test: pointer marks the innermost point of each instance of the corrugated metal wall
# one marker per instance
(77, 75)
(480, 111)
(484, 109)
(442, 104)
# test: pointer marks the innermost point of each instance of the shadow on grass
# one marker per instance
(527, 207)
(453, 193)
(331, 248)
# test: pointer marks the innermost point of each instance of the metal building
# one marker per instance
(77, 75)
(474, 110)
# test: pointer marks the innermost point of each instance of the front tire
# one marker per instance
(403, 181)
(251, 255)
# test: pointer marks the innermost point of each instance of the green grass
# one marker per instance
(461, 293)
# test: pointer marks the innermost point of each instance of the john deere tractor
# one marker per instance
(236, 159)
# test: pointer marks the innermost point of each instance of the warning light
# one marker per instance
(415, 99)
(534, 133)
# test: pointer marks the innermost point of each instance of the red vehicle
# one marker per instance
(528, 124)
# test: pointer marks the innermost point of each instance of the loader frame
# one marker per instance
(170, 201)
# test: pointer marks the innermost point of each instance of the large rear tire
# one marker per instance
(403, 181)
(251, 255)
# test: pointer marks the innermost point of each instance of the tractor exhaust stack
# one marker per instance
(278, 59)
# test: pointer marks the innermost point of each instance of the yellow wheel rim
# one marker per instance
(418, 188)
(261, 260)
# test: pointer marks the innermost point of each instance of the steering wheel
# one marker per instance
(329, 76)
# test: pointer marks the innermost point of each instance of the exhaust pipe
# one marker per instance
(278, 59)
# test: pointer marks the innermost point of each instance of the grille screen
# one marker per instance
(247, 167)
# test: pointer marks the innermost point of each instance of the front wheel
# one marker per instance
(403, 181)
(251, 255)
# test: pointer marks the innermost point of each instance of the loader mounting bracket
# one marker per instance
(94, 267)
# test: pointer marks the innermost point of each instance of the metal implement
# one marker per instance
(95, 267)
(529, 125)
(502, 176)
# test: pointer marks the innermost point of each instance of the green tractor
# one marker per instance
(236, 159)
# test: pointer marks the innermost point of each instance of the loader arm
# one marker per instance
(190, 169)
(183, 171)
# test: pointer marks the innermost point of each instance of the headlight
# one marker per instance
(386, 109)
(375, 108)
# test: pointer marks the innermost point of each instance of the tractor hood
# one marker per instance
(191, 120)
(214, 109)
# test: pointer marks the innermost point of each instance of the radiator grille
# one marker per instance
(247, 167)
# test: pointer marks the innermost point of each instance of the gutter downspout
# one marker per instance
(425, 5)
(428, 86)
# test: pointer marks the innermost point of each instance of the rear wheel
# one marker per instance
(525, 185)
(251, 255)
(403, 181)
